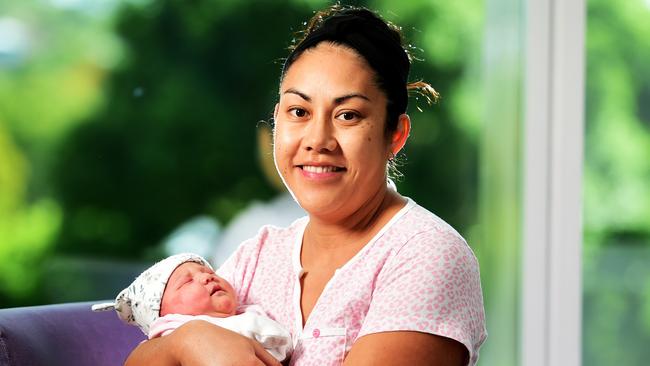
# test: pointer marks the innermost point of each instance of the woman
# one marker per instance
(369, 277)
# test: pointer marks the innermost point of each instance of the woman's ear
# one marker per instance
(398, 139)
(275, 111)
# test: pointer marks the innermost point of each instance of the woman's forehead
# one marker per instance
(330, 70)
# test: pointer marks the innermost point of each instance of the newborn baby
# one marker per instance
(184, 287)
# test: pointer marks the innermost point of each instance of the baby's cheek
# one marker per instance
(170, 308)
(189, 302)
(227, 305)
(167, 303)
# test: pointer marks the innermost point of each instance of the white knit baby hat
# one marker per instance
(139, 304)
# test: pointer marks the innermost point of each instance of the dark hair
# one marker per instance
(379, 42)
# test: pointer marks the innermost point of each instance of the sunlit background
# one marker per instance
(130, 130)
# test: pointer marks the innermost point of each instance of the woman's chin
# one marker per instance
(319, 205)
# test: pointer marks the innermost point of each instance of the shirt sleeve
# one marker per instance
(431, 285)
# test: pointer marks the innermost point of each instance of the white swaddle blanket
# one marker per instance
(252, 323)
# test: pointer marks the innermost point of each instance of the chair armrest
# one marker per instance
(64, 334)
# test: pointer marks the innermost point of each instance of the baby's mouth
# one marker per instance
(215, 289)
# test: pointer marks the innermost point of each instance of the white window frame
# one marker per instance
(551, 304)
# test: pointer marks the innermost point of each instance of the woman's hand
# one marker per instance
(199, 343)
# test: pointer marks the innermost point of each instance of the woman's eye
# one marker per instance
(348, 116)
(298, 112)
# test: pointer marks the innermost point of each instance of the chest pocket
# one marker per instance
(320, 346)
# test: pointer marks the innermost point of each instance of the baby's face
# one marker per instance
(194, 289)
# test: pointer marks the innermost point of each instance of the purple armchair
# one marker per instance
(66, 334)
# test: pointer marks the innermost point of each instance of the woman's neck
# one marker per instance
(352, 231)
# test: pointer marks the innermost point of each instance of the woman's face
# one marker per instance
(330, 147)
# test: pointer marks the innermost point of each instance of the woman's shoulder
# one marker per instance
(419, 223)
(421, 234)
(429, 282)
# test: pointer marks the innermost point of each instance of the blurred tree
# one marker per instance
(441, 159)
(177, 135)
(26, 230)
(617, 166)
(48, 79)
(617, 184)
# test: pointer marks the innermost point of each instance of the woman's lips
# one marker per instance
(321, 168)
(321, 172)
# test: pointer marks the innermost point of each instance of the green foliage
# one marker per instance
(177, 135)
(616, 303)
(27, 237)
(26, 230)
(43, 95)
(617, 184)
(440, 161)
(12, 173)
(56, 82)
(617, 166)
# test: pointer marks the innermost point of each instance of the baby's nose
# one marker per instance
(207, 277)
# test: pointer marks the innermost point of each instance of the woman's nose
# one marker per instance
(319, 136)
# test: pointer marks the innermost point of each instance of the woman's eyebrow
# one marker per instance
(339, 100)
(298, 93)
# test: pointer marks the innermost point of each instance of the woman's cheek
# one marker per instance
(282, 148)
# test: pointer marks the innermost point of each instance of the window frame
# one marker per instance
(553, 140)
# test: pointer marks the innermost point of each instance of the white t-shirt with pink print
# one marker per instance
(416, 274)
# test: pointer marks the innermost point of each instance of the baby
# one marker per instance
(184, 287)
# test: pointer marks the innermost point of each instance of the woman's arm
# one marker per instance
(427, 305)
(199, 343)
(406, 348)
(155, 352)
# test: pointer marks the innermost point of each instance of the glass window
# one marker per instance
(616, 274)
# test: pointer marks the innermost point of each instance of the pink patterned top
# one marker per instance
(416, 274)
